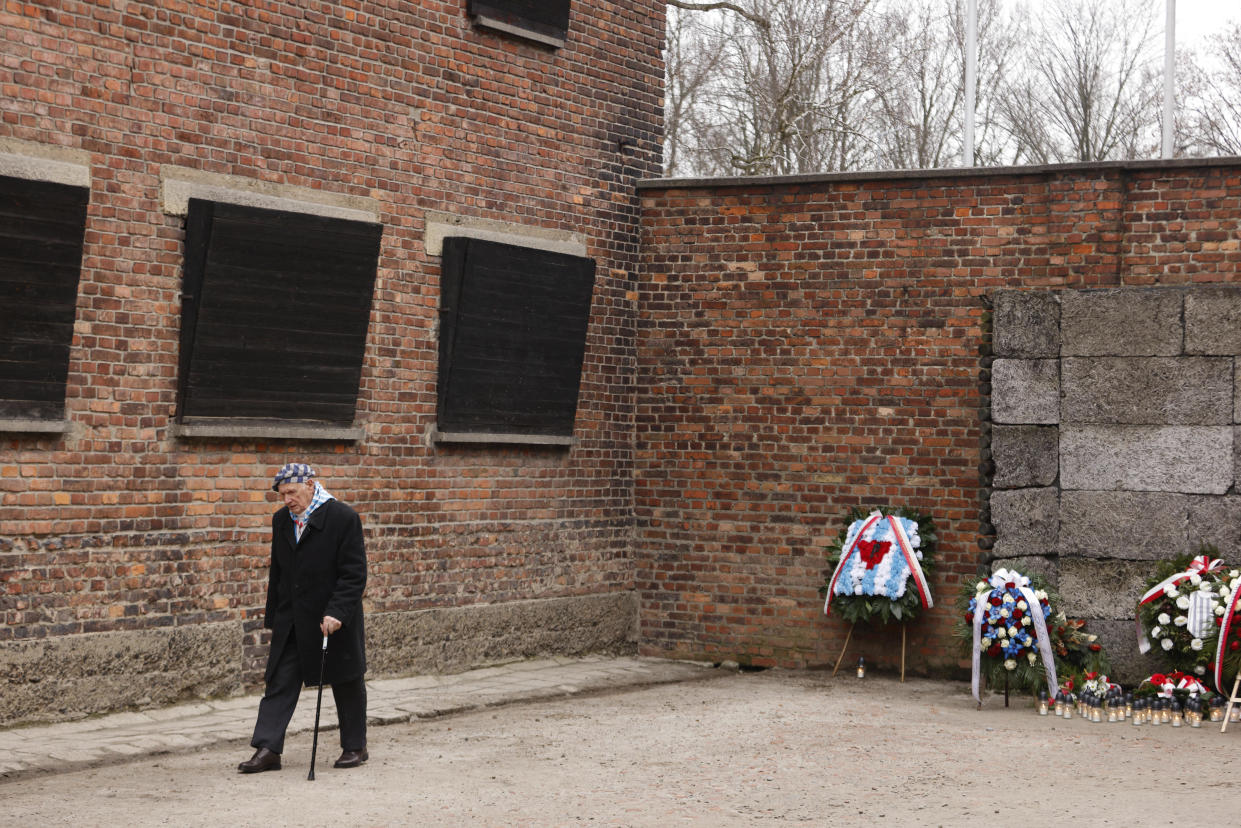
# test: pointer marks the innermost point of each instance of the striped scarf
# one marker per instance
(321, 496)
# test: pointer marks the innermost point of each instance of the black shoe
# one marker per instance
(262, 760)
(351, 758)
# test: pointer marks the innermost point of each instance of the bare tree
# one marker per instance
(782, 95)
(922, 92)
(1088, 87)
(691, 61)
(1210, 120)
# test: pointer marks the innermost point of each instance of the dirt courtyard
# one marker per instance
(748, 748)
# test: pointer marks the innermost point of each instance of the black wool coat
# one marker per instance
(323, 574)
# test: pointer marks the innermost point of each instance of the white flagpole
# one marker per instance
(971, 69)
(1169, 78)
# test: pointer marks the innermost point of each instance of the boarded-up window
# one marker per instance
(41, 231)
(274, 313)
(545, 21)
(512, 338)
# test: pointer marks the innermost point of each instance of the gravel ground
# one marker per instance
(748, 748)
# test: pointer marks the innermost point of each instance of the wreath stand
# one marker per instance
(1005, 692)
(849, 635)
(1233, 700)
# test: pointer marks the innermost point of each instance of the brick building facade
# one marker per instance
(132, 545)
(759, 355)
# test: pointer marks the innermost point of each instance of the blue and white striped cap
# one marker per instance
(292, 473)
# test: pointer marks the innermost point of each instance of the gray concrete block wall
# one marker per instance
(1116, 442)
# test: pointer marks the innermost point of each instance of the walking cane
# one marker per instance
(314, 745)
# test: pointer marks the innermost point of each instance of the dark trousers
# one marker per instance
(280, 700)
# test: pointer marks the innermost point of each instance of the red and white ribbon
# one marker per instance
(915, 569)
(1200, 565)
(1224, 628)
(998, 580)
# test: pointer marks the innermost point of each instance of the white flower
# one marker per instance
(1164, 618)
(1008, 598)
(1012, 632)
(1205, 586)
(1196, 644)
(1195, 578)
(985, 643)
(1025, 622)
(1032, 657)
(1023, 606)
(1166, 643)
(1000, 632)
(1004, 613)
(1183, 602)
(1236, 573)
(1180, 620)
(1041, 595)
(1219, 609)
(1170, 591)
(1009, 664)
(1200, 670)
(982, 586)
(1156, 631)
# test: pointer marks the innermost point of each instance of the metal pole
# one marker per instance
(1169, 79)
(971, 70)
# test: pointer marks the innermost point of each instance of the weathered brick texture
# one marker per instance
(811, 344)
(118, 525)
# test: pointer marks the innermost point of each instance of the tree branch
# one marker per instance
(757, 20)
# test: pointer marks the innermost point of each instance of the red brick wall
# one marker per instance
(119, 525)
(809, 345)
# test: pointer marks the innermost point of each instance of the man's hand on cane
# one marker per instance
(329, 625)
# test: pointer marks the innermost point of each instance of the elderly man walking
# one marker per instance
(318, 572)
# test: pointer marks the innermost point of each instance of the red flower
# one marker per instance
(1234, 646)
(969, 618)
(1010, 585)
(1158, 678)
(1018, 615)
(996, 600)
(994, 650)
(1094, 648)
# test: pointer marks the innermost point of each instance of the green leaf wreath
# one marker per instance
(878, 609)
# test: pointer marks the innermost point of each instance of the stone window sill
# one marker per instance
(502, 438)
(22, 425)
(266, 430)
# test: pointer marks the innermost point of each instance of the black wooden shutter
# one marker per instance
(274, 313)
(41, 231)
(546, 17)
(512, 338)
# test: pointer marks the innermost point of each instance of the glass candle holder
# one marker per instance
(1156, 711)
(1042, 702)
(1176, 715)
